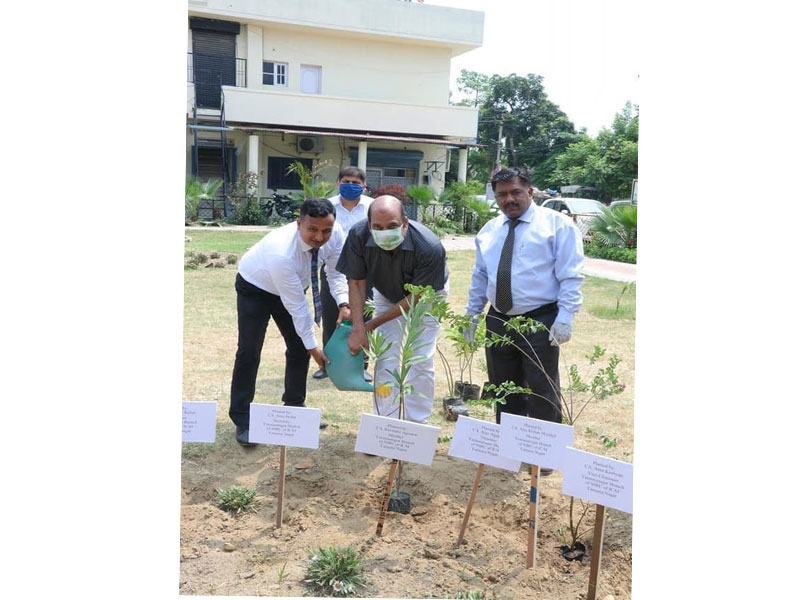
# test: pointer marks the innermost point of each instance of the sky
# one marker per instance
(584, 50)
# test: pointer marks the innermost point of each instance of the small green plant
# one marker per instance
(231, 259)
(282, 573)
(608, 442)
(201, 258)
(237, 499)
(573, 397)
(189, 267)
(214, 255)
(443, 439)
(624, 289)
(335, 571)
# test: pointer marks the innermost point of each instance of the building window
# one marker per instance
(275, 73)
(405, 173)
(278, 178)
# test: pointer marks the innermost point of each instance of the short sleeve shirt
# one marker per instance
(419, 260)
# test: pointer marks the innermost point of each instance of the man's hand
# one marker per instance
(469, 332)
(356, 341)
(560, 333)
(344, 314)
(319, 357)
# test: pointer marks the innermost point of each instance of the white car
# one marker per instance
(582, 210)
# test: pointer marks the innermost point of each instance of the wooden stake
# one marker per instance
(597, 549)
(471, 502)
(281, 477)
(533, 525)
(386, 493)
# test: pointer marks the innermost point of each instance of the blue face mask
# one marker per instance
(350, 191)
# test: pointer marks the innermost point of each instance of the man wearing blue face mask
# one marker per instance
(351, 204)
(390, 250)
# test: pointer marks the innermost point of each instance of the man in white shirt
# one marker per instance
(351, 204)
(535, 274)
(271, 282)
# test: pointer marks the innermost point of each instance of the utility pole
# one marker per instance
(499, 143)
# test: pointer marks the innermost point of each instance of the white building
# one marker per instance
(351, 82)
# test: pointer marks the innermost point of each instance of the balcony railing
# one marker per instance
(208, 67)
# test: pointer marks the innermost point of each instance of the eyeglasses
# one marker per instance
(516, 193)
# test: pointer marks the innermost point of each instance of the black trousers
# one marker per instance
(507, 363)
(330, 310)
(254, 307)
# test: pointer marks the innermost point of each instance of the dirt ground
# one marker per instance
(332, 497)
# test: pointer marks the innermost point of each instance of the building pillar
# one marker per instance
(362, 156)
(462, 164)
(252, 158)
(255, 56)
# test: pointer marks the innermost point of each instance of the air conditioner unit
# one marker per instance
(309, 144)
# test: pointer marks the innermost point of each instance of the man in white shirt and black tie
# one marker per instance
(527, 262)
(271, 283)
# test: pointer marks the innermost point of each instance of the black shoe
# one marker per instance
(320, 374)
(243, 436)
(367, 376)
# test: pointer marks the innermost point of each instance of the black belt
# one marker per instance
(545, 308)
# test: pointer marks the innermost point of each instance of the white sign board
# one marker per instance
(479, 441)
(534, 441)
(199, 422)
(280, 425)
(598, 479)
(392, 438)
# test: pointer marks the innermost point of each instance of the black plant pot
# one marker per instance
(470, 391)
(400, 502)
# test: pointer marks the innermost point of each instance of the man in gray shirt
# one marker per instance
(391, 251)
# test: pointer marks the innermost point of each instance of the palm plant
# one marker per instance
(196, 191)
(313, 187)
(616, 226)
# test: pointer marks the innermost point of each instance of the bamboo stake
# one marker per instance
(281, 478)
(386, 493)
(471, 502)
(533, 525)
(597, 549)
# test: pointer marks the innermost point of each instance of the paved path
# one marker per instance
(594, 267)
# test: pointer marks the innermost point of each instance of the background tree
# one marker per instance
(609, 162)
(475, 85)
(533, 127)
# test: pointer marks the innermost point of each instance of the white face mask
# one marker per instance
(388, 239)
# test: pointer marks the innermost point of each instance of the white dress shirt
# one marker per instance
(347, 218)
(280, 263)
(545, 268)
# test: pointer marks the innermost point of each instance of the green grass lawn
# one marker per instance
(209, 240)
(210, 345)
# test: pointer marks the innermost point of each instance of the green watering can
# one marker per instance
(345, 370)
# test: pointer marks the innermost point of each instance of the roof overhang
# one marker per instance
(360, 136)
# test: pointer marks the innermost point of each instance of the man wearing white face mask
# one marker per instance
(391, 251)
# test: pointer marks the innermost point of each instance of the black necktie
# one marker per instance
(503, 299)
(315, 286)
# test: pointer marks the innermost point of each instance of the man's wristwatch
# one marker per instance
(344, 305)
